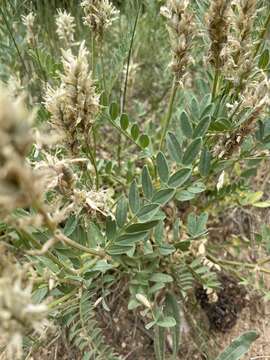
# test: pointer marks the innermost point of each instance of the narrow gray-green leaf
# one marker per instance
(130, 239)
(180, 177)
(192, 151)
(110, 228)
(162, 278)
(202, 127)
(238, 347)
(163, 196)
(205, 162)
(147, 183)
(172, 308)
(121, 211)
(118, 250)
(134, 197)
(162, 167)
(147, 212)
(186, 125)
(174, 147)
(167, 322)
(159, 343)
(140, 227)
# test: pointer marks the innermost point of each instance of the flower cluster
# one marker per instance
(238, 54)
(74, 104)
(218, 26)
(98, 15)
(181, 31)
(65, 27)
(28, 21)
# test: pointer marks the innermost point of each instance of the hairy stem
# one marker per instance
(169, 113)
(215, 83)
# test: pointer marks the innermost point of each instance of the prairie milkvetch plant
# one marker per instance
(98, 15)
(65, 27)
(146, 225)
(74, 104)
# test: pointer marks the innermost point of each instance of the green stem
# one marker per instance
(215, 83)
(61, 237)
(129, 59)
(102, 67)
(238, 263)
(123, 102)
(92, 158)
(62, 299)
(13, 40)
(169, 112)
(93, 56)
(48, 254)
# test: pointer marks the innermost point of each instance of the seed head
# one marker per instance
(65, 27)
(238, 53)
(99, 15)
(75, 103)
(181, 31)
(28, 21)
(218, 25)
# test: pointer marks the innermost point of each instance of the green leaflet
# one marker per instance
(147, 183)
(186, 125)
(179, 178)
(163, 196)
(174, 147)
(124, 121)
(238, 347)
(162, 167)
(192, 151)
(141, 227)
(134, 197)
(121, 211)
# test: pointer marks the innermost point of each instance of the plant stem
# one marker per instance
(123, 100)
(123, 103)
(13, 40)
(102, 67)
(237, 263)
(169, 112)
(61, 237)
(92, 158)
(93, 55)
(62, 299)
(215, 83)
(48, 254)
